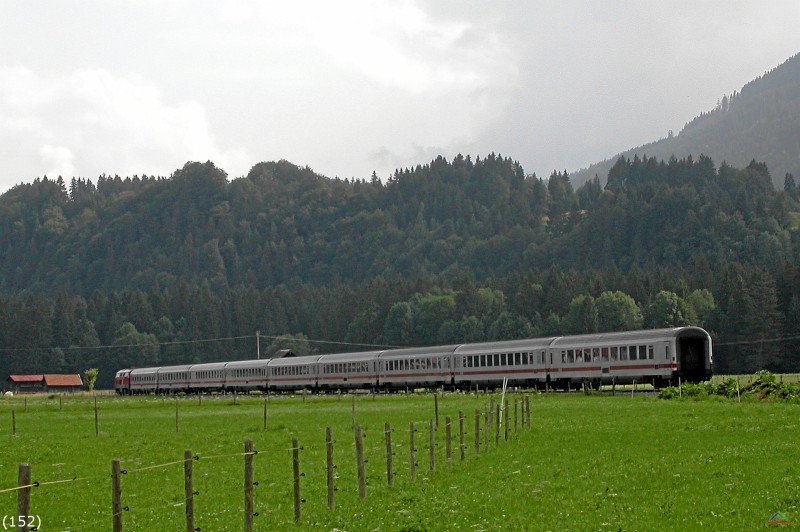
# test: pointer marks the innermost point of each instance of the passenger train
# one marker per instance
(658, 356)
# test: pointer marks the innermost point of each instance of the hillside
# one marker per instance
(761, 122)
(283, 224)
(145, 271)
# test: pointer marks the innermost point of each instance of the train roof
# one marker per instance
(504, 346)
(359, 356)
(432, 350)
(168, 369)
(144, 371)
(293, 361)
(648, 335)
(209, 366)
(257, 363)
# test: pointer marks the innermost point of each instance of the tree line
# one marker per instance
(148, 270)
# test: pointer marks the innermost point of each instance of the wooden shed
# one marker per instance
(45, 383)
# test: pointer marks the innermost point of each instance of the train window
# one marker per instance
(570, 356)
(650, 352)
(595, 354)
(614, 354)
(642, 352)
(667, 355)
(587, 354)
(604, 353)
(497, 360)
(632, 352)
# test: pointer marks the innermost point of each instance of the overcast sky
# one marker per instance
(347, 87)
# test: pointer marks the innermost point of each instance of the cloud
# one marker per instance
(57, 160)
(94, 122)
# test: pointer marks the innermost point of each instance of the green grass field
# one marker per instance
(587, 463)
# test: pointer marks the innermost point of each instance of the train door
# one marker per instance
(548, 365)
(692, 359)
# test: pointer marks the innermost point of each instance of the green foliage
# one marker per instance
(617, 311)
(582, 317)
(90, 378)
(765, 386)
(668, 310)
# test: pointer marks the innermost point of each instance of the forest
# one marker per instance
(125, 272)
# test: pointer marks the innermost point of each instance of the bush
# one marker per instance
(670, 392)
(765, 386)
(727, 388)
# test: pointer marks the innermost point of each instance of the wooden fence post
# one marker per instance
(516, 417)
(477, 431)
(388, 432)
(487, 423)
(461, 433)
(116, 495)
(362, 477)
(329, 453)
(448, 437)
(432, 448)
(505, 422)
(497, 426)
(491, 409)
(296, 471)
(23, 497)
(188, 489)
(248, 485)
(413, 453)
(436, 407)
(528, 408)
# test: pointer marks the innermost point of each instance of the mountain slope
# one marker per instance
(761, 122)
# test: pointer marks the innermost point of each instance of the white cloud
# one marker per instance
(57, 160)
(93, 122)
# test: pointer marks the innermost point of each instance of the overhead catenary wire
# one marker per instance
(196, 341)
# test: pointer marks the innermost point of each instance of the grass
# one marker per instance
(587, 463)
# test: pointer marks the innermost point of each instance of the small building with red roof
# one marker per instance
(45, 383)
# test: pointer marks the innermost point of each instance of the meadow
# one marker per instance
(588, 462)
